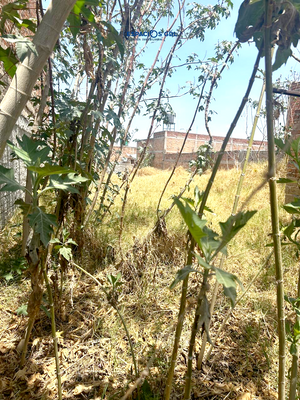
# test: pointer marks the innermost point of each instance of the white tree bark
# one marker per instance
(29, 70)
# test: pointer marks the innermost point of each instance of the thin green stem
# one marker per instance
(294, 368)
(236, 303)
(195, 328)
(233, 212)
(228, 135)
(53, 329)
(119, 314)
(273, 199)
(179, 325)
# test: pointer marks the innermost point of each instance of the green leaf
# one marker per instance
(42, 223)
(66, 252)
(22, 310)
(233, 225)
(115, 36)
(182, 274)
(250, 19)
(192, 220)
(30, 151)
(7, 178)
(284, 146)
(285, 180)
(65, 183)
(9, 61)
(25, 207)
(293, 208)
(75, 23)
(48, 170)
(46, 311)
(24, 46)
(55, 240)
(228, 280)
(282, 55)
(210, 243)
(293, 349)
(71, 241)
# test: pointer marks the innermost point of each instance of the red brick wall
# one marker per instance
(230, 159)
(127, 152)
(166, 145)
(293, 121)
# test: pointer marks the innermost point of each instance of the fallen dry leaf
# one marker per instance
(244, 396)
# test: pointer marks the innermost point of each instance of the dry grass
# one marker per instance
(94, 352)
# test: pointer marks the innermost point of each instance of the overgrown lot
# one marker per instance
(95, 355)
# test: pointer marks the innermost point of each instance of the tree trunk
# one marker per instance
(29, 70)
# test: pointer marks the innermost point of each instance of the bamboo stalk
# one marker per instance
(274, 200)
(294, 368)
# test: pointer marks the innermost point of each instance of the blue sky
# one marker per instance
(231, 88)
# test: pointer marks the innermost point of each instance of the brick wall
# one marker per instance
(293, 121)
(127, 152)
(230, 159)
(166, 145)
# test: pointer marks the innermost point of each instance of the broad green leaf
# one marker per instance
(295, 146)
(30, 151)
(9, 61)
(66, 252)
(293, 349)
(210, 243)
(55, 240)
(284, 146)
(22, 310)
(71, 241)
(75, 23)
(228, 280)
(192, 220)
(25, 207)
(48, 170)
(24, 46)
(233, 225)
(293, 208)
(65, 183)
(282, 55)
(7, 178)
(42, 223)
(146, 391)
(250, 19)
(182, 274)
(116, 37)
